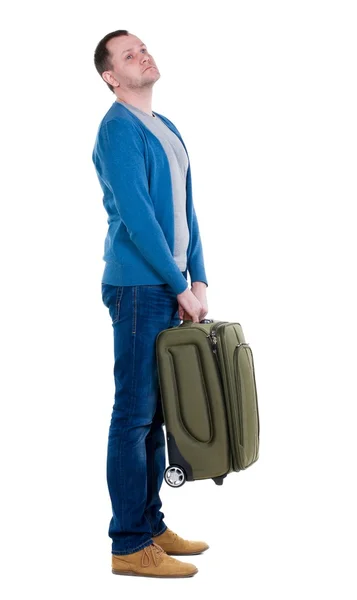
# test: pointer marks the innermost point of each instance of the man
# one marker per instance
(153, 240)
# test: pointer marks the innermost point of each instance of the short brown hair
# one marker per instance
(102, 57)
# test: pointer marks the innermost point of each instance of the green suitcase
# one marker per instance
(209, 400)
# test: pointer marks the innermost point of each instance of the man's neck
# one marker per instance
(141, 102)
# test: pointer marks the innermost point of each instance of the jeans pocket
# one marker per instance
(111, 297)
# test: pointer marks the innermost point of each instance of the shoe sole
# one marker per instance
(161, 576)
(186, 553)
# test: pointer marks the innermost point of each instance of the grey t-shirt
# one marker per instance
(178, 161)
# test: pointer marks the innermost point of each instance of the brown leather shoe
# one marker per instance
(151, 561)
(174, 544)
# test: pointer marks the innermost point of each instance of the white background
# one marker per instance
(264, 95)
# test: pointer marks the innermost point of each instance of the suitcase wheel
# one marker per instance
(175, 476)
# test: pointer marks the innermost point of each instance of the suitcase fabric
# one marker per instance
(209, 400)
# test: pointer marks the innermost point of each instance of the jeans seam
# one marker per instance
(134, 308)
(132, 407)
(150, 475)
(133, 383)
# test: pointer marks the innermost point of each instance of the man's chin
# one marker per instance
(153, 72)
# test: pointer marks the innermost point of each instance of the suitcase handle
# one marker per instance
(185, 321)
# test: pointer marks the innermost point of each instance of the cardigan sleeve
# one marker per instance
(124, 172)
(195, 263)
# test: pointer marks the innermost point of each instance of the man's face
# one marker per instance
(133, 66)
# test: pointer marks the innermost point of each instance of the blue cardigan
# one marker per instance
(134, 174)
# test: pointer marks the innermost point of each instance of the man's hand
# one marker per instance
(198, 288)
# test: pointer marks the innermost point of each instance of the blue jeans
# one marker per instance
(136, 440)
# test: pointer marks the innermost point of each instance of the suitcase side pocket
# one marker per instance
(247, 405)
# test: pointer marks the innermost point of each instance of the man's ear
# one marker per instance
(108, 78)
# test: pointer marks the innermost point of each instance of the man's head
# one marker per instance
(122, 60)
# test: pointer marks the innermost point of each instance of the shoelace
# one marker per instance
(175, 536)
(154, 551)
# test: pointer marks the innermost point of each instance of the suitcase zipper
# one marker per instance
(213, 338)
